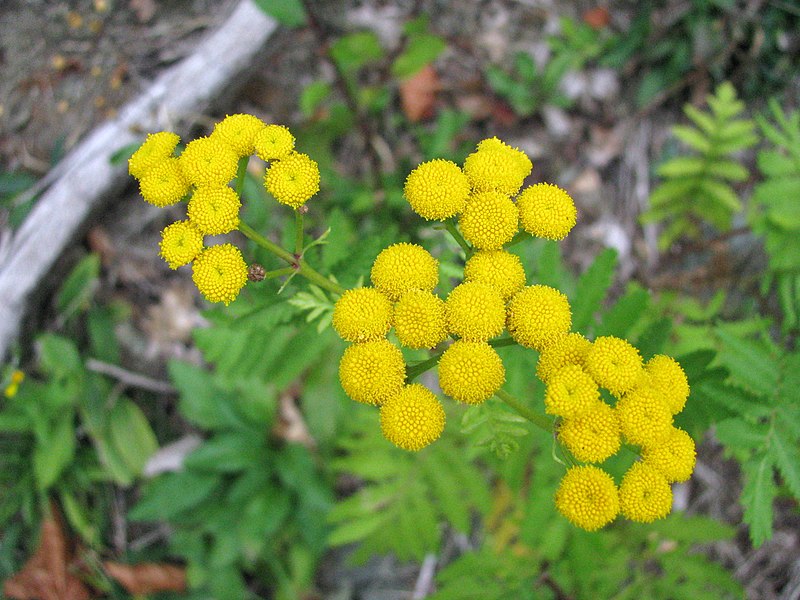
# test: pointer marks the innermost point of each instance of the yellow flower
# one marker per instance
(293, 180)
(587, 497)
(156, 148)
(181, 242)
(497, 268)
(490, 219)
(208, 161)
(644, 494)
(164, 183)
(546, 211)
(362, 314)
(567, 349)
(674, 456)
(413, 418)
(437, 189)
(403, 267)
(614, 363)
(644, 418)
(17, 377)
(214, 210)
(239, 132)
(537, 316)
(670, 381)
(571, 392)
(219, 272)
(419, 319)
(471, 372)
(592, 437)
(372, 372)
(274, 142)
(496, 166)
(475, 312)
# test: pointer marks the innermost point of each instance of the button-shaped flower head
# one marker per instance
(372, 372)
(181, 242)
(362, 314)
(568, 349)
(475, 311)
(490, 219)
(644, 494)
(293, 180)
(644, 418)
(274, 142)
(413, 418)
(471, 372)
(546, 211)
(669, 380)
(419, 319)
(587, 497)
(614, 363)
(239, 132)
(497, 268)
(214, 209)
(594, 436)
(674, 456)
(164, 183)
(571, 392)
(537, 316)
(219, 272)
(155, 148)
(403, 267)
(437, 189)
(497, 166)
(208, 161)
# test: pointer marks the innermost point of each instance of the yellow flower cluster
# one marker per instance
(203, 173)
(647, 396)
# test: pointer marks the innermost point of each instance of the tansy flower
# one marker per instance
(475, 311)
(546, 211)
(644, 418)
(219, 272)
(587, 497)
(403, 267)
(489, 220)
(437, 189)
(674, 456)
(181, 242)
(496, 168)
(362, 314)
(571, 392)
(644, 494)
(537, 316)
(214, 210)
(274, 142)
(523, 163)
(164, 183)
(668, 378)
(293, 180)
(413, 418)
(567, 349)
(614, 363)
(471, 372)
(239, 132)
(156, 148)
(372, 372)
(419, 319)
(500, 269)
(208, 161)
(594, 436)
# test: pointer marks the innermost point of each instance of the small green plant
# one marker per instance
(696, 187)
(527, 88)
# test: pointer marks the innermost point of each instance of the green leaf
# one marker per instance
(592, 287)
(79, 287)
(692, 137)
(721, 193)
(201, 400)
(289, 13)
(227, 452)
(353, 51)
(173, 493)
(624, 314)
(313, 95)
(421, 50)
(750, 363)
(130, 434)
(55, 452)
(682, 166)
(58, 356)
(785, 450)
(757, 496)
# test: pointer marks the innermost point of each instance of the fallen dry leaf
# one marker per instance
(597, 17)
(147, 578)
(49, 573)
(418, 94)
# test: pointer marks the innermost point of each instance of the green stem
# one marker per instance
(279, 272)
(240, 173)
(537, 419)
(259, 239)
(503, 341)
(318, 278)
(520, 236)
(451, 227)
(418, 369)
(298, 233)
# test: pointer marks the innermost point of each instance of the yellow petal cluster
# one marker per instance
(238, 131)
(669, 380)
(208, 161)
(419, 319)
(495, 166)
(362, 314)
(644, 494)
(181, 242)
(413, 418)
(471, 372)
(489, 220)
(644, 418)
(497, 268)
(437, 189)
(546, 211)
(587, 497)
(571, 393)
(475, 311)
(156, 148)
(164, 183)
(674, 457)
(274, 142)
(403, 267)
(567, 349)
(293, 180)
(614, 363)
(537, 316)
(594, 436)
(372, 372)
(219, 272)
(214, 210)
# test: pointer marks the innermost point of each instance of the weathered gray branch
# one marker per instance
(86, 179)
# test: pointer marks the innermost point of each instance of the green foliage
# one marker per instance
(696, 187)
(421, 48)
(289, 13)
(494, 426)
(527, 88)
(775, 209)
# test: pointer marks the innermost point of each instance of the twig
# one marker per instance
(425, 578)
(129, 378)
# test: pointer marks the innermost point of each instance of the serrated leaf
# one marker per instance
(357, 529)
(691, 137)
(625, 312)
(750, 363)
(785, 450)
(682, 166)
(757, 496)
(721, 193)
(592, 287)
